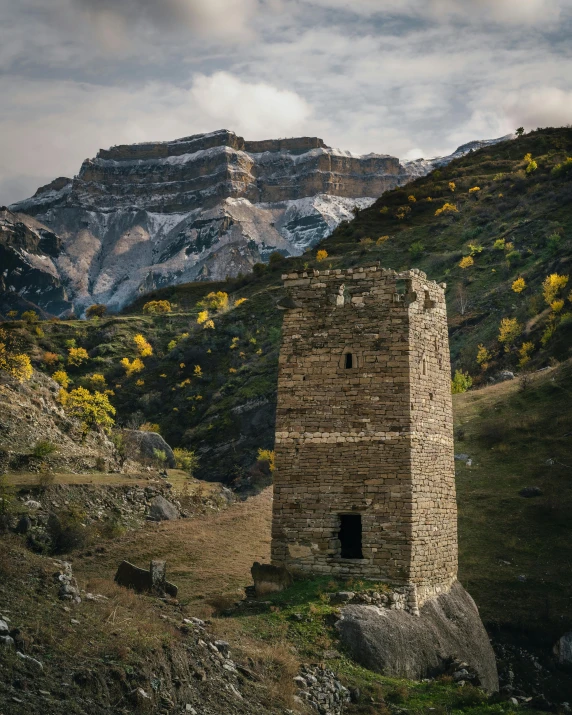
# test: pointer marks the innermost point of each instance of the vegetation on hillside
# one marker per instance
(200, 360)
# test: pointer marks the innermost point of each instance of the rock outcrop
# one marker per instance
(399, 644)
(147, 448)
(29, 279)
(142, 216)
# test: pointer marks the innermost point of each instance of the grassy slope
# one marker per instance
(524, 210)
(518, 439)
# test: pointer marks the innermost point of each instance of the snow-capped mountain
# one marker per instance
(204, 207)
(421, 167)
(200, 208)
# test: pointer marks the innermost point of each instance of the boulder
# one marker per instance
(141, 580)
(563, 649)
(141, 447)
(529, 492)
(163, 510)
(399, 644)
(269, 579)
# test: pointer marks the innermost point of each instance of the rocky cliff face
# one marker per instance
(142, 216)
(138, 217)
(29, 275)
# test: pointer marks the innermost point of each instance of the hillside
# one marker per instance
(517, 225)
(204, 207)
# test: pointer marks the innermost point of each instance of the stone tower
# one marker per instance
(364, 482)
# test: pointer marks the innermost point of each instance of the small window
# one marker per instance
(424, 366)
(349, 361)
(350, 536)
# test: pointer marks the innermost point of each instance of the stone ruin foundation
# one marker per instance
(364, 484)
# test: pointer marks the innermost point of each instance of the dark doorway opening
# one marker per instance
(349, 361)
(350, 536)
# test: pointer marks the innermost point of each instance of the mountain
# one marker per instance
(421, 167)
(29, 277)
(142, 216)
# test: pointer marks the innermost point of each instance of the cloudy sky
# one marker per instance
(404, 77)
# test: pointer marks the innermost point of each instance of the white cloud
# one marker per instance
(58, 124)
(539, 107)
(254, 109)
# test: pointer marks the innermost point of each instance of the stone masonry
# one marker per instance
(364, 482)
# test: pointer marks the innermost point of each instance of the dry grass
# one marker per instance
(178, 478)
(208, 556)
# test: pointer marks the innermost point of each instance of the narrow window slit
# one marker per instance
(349, 361)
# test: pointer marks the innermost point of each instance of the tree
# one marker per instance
(132, 367)
(97, 310)
(518, 285)
(524, 353)
(552, 285)
(214, 301)
(446, 208)
(483, 356)
(321, 255)
(30, 317)
(143, 347)
(77, 356)
(461, 382)
(61, 377)
(509, 330)
(154, 307)
(461, 299)
(93, 409)
(519, 132)
(16, 364)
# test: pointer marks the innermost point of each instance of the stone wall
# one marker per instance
(368, 435)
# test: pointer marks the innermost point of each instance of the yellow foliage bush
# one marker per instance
(93, 409)
(524, 353)
(483, 356)
(518, 285)
(381, 240)
(198, 372)
(239, 301)
(150, 427)
(557, 305)
(209, 324)
(77, 356)
(509, 330)
(97, 381)
(446, 208)
(202, 317)
(411, 199)
(214, 301)
(154, 307)
(452, 185)
(17, 365)
(466, 262)
(552, 285)
(61, 377)
(132, 367)
(143, 347)
(266, 455)
(474, 189)
(321, 255)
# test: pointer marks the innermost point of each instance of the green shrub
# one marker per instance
(186, 460)
(461, 382)
(160, 455)
(44, 448)
(416, 249)
(564, 168)
(67, 530)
